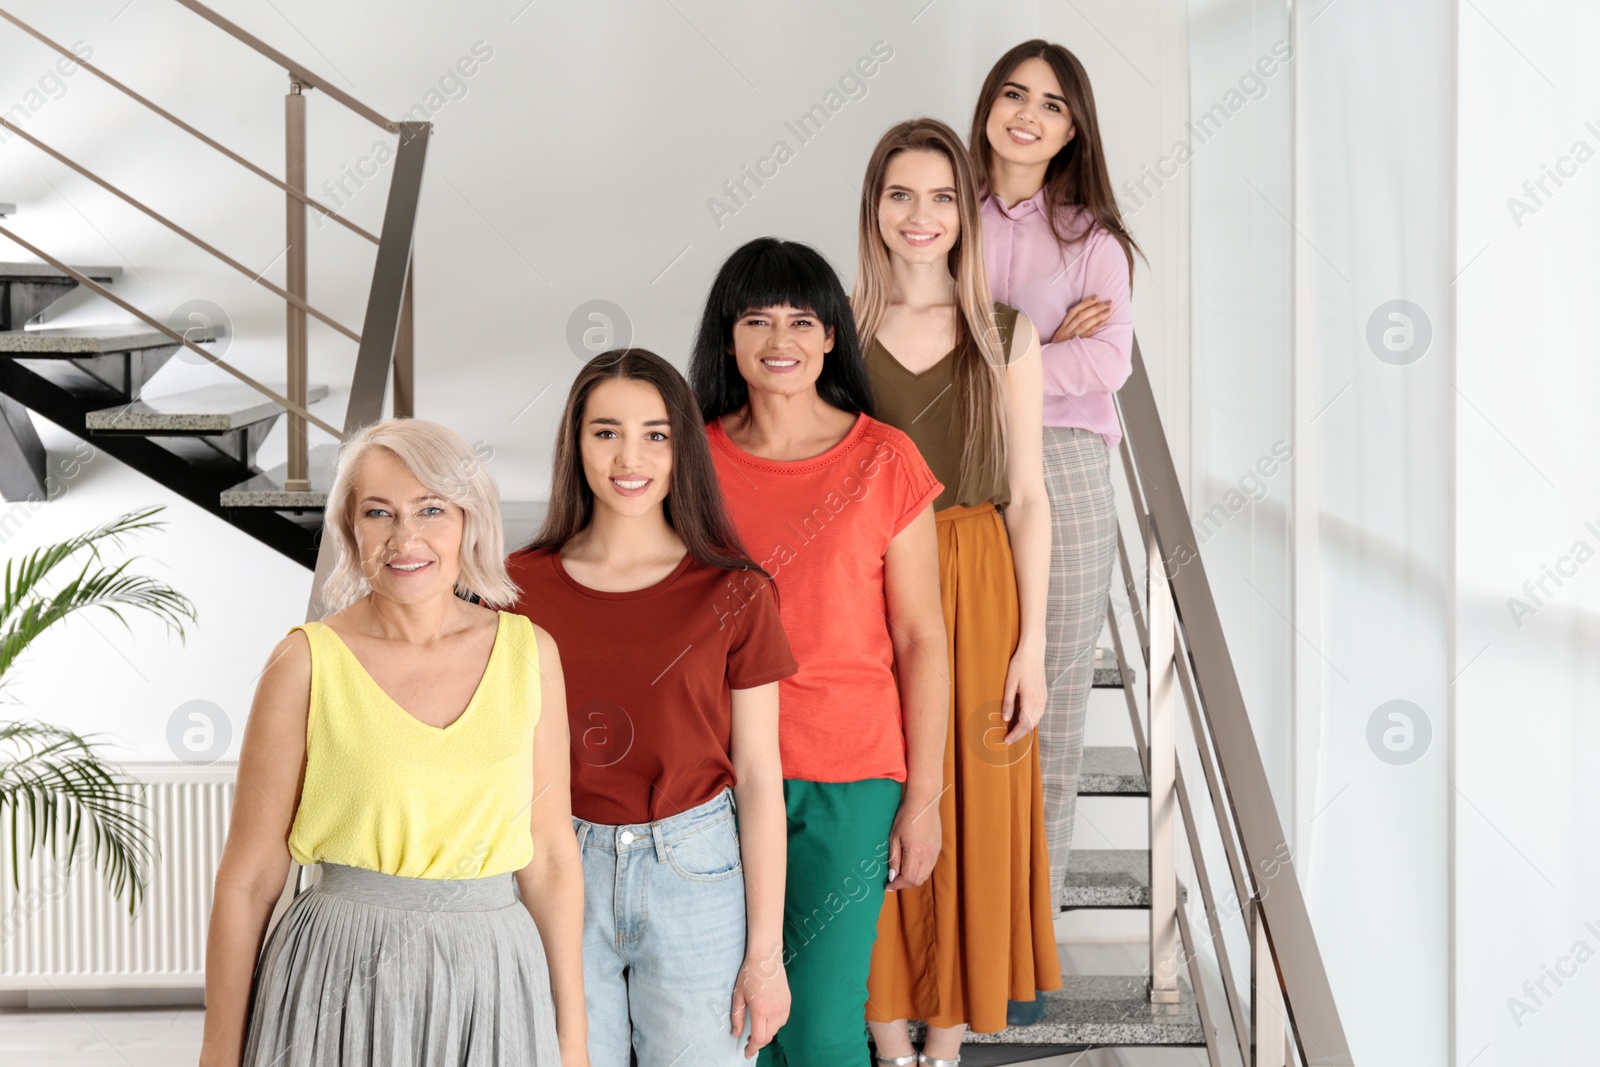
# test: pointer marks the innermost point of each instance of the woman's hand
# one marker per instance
(762, 990)
(1023, 705)
(914, 842)
(1083, 319)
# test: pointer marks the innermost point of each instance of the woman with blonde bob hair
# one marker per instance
(961, 377)
(413, 946)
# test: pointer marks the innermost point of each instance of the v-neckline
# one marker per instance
(472, 701)
(924, 372)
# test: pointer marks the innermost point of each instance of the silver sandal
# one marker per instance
(927, 1061)
(898, 1061)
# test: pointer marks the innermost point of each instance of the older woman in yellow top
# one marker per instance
(414, 744)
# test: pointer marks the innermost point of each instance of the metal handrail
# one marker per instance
(254, 276)
(1289, 982)
(1208, 898)
(297, 71)
(312, 202)
(177, 338)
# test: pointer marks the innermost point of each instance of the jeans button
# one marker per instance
(626, 837)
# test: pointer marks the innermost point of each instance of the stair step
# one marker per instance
(1111, 771)
(71, 342)
(1108, 878)
(212, 409)
(265, 490)
(14, 272)
(1106, 674)
(520, 519)
(1106, 1009)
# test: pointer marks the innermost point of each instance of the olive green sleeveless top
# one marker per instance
(923, 406)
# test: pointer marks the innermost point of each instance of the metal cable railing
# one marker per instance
(1290, 1007)
(385, 342)
(322, 209)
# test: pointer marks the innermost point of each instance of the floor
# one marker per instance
(81, 1035)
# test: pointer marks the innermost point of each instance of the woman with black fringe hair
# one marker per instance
(836, 506)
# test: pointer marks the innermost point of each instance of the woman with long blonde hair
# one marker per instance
(961, 376)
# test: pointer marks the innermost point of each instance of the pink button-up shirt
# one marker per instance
(1029, 270)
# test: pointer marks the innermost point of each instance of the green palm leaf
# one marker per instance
(21, 576)
(54, 789)
(93, 587)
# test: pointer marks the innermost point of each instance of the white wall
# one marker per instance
(1375, 129)
(1326, 194)
(1527, 510)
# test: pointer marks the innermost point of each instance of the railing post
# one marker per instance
(381, 328)
(1268, 1034)
(1163, 770)
(294, 126)
(404, 343)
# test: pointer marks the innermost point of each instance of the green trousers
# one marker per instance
(838, 866)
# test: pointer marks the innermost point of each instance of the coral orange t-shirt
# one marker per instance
(821, 527)
(648, 675)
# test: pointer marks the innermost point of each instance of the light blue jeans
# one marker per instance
(663, 938)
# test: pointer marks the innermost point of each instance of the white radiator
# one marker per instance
(59, 932)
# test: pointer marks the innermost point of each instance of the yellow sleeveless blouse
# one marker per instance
(385, 791)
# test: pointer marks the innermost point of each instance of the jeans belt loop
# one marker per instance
(660, 841)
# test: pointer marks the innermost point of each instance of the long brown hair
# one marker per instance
(1077, 175)
(979, 355)
(693, 505)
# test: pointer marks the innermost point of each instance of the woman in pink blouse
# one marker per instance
(1056, 248)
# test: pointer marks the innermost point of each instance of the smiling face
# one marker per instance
(780, 349)
(625, 442)
(1028, 121)
(408, 536)
(918, 218)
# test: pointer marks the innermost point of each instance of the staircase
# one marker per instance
(91, 381)
(1099, 1010)
(100, 382)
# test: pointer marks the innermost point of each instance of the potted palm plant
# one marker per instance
(57, 791)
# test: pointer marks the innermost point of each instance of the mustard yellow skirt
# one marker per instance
(980, 931)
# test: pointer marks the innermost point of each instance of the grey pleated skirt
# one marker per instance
(374, 970)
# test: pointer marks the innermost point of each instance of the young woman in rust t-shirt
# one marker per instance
(672, 649)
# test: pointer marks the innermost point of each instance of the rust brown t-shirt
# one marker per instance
(648, 676)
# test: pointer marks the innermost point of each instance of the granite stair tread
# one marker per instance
(24, 271)
(1111, 771)
(1092, 1010)
(79, 341)
(216, 408)
(1108, 878)
(265, 490)
(520, 519)
(1106, 674)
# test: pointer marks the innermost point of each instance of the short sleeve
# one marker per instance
(759, 651)
(915, 485)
